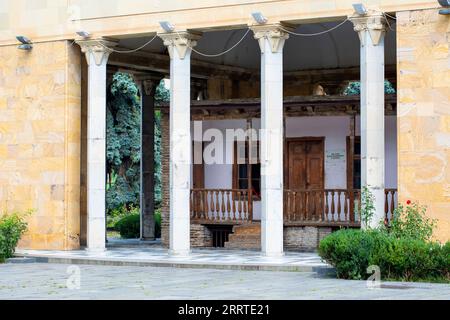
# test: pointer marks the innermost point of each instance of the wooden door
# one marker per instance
(305, 174)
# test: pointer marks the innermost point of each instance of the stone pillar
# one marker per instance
(371, 30)
(147, 179)
(179, 46)
(271, 40)
(96, 57)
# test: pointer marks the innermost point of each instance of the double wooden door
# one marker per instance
(304, 173)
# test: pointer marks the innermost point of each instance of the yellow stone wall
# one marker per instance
(423, 40)
(40, 141)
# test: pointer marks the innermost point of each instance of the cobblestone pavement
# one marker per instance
(50, 281)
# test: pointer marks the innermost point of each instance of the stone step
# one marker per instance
(245, 237)
(247, 229)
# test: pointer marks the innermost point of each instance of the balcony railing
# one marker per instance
(221, 206)
(334, 207)
(329, 206)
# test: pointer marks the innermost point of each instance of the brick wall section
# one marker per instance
(201, 236)
(423, 116)
(165, 182)
(304, 238)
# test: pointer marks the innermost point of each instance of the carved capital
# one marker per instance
(374, 23)
(149, 86)
(274, 33)
(148, 83)
(99, 48)
(179, 41)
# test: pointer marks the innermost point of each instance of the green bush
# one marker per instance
(158, 223)
(118, 213)
(411, 222)
(402, 251)
(352, 251)
(12, 227)
(129, 225)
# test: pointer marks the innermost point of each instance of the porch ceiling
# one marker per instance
(336, 49)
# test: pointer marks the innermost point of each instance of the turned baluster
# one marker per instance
(239, 205)
(339, 205)
(327, 209)
(217, 204)
(212, 204)
(332, 205)
(222, 205)
(205, 207)
(227, 215)
(234, 205)
(346, 217)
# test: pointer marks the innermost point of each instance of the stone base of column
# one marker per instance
(272, 254)
(179, 253)
(95, 250)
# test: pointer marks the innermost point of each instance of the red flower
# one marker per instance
(408, 202)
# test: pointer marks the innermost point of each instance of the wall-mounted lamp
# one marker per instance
(26, 43)
(259, 18)
(167, 26)
(83, 34)
(360, 9)
(446, 5)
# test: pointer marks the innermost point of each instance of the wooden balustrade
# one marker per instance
(321, 206)
(329, 206)
(313, 207)
(221, 205)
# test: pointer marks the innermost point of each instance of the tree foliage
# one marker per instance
(123, 141)
(123, 148)
(354, 88)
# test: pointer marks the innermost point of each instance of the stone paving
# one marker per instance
(49, 281)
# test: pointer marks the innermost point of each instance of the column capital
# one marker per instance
(182, 41)
(374, 22)
(275, 33)
(100, 49)
(149, 82)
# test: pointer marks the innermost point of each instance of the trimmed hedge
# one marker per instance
(129, 225)
(352, 251)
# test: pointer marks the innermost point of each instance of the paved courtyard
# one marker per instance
(50, 281)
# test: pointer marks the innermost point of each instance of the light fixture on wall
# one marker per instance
(446, 5)
(259, 18)
(83, 34)
(167, 26)
(360, 9)
(26, 43)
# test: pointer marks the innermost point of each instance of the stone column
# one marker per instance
(371, 30)
(271, 41)
(147, 203)
(96, 57)
(179, 46)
